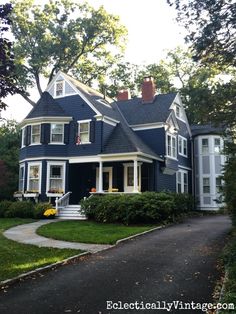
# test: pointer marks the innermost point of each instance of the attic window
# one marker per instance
(104, 102)
(59, 88)
(177, 111)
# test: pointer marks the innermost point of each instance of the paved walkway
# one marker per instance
(27, 234)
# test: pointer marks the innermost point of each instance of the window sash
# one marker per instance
(182, 181)
(35, 133)
(84, 132)
(59, 88)
(21, 178)
(171, 146)
(34, 172)
(205, 146)
(57, 132)
(217, 145)
(206, 185)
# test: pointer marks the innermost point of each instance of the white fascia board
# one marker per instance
(45, 120)
(48, 158)
(76, 90)
(106, 119)
(129, 156)
(179, 101)
(147, 126)
(185, 168)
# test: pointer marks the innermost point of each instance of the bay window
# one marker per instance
(56, 177)
(57, 133)
(34, 177)
(35, 133)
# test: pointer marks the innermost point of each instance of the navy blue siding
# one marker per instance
(183, 131)
(154, 138)
(107, 130)
(164, 181)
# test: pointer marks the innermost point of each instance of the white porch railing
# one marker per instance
(62, 201)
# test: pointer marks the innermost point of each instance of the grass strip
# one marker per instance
(90, 232)
(17, 258)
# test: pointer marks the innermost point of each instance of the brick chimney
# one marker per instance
(148, 90)
(123, 94)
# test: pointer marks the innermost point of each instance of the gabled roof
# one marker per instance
(136, 112)
(102, 105)
(124, 140)
(46, 107)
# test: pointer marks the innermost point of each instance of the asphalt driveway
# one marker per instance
(178, 263)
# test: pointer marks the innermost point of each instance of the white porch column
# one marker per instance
(135, 176)
(100, 178)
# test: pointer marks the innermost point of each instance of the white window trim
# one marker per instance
(182, 181)
(128, 188)
(201, 146)
(23, 130)
(105, 169)
(55, 163)
(84, 121)
(63, 89)
(172, 136)
(63, 135)
(31, 135)
(181, 140)
(210, 186)
(40, 174)
(21, 166)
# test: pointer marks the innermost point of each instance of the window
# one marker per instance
(182, 181)
(206, 185)
(217, 145)
(59, 88)
(83, 132)
(55, 176)
(21, 178)
(177, 111)
(182, 146)
(57, 133)
(205, 146)
(218, 185)
(34, 177)
(23, 137)
(35, 133)
(171, 146)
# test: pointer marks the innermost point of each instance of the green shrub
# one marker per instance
(39, 210)
(147, 207)
(4, 206)
(22, 209)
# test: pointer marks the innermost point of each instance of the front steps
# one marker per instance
(71, 212)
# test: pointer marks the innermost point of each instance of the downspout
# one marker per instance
(193, 169)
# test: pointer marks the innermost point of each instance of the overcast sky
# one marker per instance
(152, 30)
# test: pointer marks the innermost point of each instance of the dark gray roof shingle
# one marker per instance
(46, 107)
(136, 112)
(204, 129)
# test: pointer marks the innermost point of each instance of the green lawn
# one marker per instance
(89, 232)
(16, 258)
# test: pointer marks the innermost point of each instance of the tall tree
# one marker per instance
(7, 75)
(211, 28)
(9, 154)
(65, 35)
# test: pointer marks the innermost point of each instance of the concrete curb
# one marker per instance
(11, 281)
(139, 234)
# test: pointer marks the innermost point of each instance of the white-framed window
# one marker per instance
(21, 178)
(35, 133)
(59, 88)
(23, 135)
(206, 185)
(55, 177)
(217, 145)
(171, 146)
(182, 181)
(57, 133)
(129, 177)
(183, 150)
(83, 132)
(34, 177)
(205, 146)
(218, 184)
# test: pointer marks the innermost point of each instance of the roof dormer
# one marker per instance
(60, 87)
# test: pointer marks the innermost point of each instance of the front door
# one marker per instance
(107, 178)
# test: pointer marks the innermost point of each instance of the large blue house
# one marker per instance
(76, 140)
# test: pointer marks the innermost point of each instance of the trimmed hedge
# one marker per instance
(24, 209)
(147, 207)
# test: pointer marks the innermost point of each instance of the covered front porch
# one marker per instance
(109, 174)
